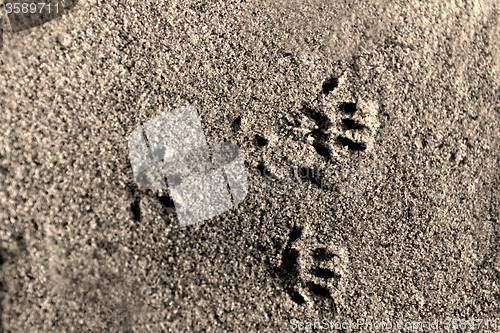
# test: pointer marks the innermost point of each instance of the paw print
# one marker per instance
(313, 272)
(343, 120)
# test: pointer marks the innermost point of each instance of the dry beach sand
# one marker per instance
(408, 88)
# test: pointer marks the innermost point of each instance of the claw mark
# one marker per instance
(318, 290)
(341, 123)
(348, 108)
(350, 124)
(305, 285)
(322, 254)
(325, 273)
(261, 141)
(237, 125)
(330, 85)
(351, 144)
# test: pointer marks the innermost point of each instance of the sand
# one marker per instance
(407, 88)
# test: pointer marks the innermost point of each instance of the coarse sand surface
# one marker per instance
(409, 90)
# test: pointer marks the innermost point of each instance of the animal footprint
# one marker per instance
(148, 205)
(342, 118)
(313, 272)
